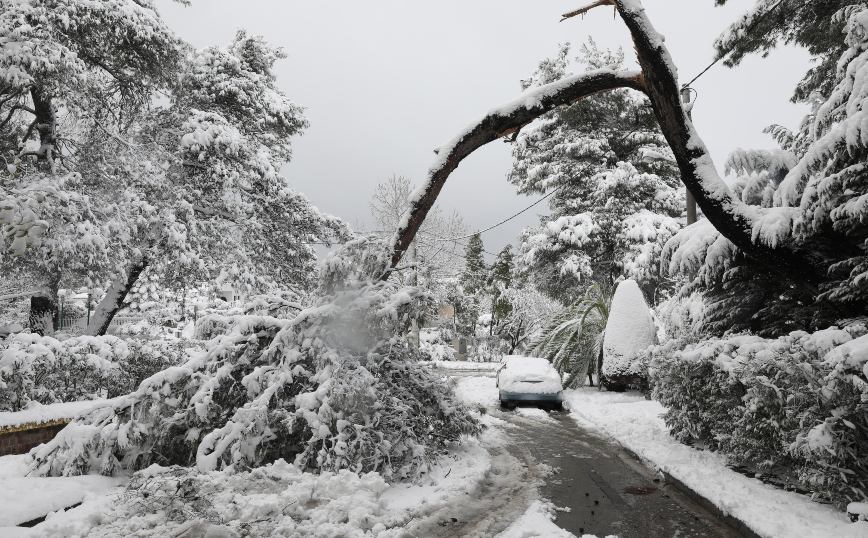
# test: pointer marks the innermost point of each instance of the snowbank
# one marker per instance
(770, 512)
(24, 499)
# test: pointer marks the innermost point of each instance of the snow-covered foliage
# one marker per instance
(41, 369)
(436, 259)
(123, 181)
(334, 388)
(808, 194)
(797, 404)
(436, 344)
(630, 330)
(573, 339)
(274, 500)
(529, 311)
(612, 211)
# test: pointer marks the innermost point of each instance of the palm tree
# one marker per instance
(573, 340)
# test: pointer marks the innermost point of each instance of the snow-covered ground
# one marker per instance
(770, 512)
(279, 498)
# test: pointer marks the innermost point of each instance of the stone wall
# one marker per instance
(21, 439)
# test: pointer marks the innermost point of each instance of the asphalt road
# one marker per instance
(604, 490)
(607, 491)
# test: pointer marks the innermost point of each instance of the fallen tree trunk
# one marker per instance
(737, 221)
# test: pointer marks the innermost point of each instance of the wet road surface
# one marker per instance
(606, 490)
(598, 487)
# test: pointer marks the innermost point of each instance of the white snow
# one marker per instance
(629, 330)
(24, 498)
(770, 512)
(529, 375)
(39, 414)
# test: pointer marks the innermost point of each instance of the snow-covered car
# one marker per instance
(529, 379)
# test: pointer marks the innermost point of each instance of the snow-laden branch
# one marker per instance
(498, 122)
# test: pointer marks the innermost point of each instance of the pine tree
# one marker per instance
(475, 270)
(612, 210)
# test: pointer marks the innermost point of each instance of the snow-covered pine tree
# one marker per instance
(333, 388)
(222, 143)
(612, 211)
(475, 270)
(190, 190)
(813, 193)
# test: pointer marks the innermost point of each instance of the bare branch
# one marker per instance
(589, 7)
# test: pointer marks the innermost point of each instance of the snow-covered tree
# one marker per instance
(524, 312)
(75, 77)
(612, 210)
(475, 271)
(117, 186)
(812, 191)
(336, 387)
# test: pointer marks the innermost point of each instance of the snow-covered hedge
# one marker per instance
(334, 388)
(45, 370)
(630, 331)
(798, 403)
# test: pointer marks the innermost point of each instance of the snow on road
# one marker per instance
(770, 512)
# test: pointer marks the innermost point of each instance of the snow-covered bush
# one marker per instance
(798, 402)
(630, 330)
(45, 370)
(334, 388)
(436, 344)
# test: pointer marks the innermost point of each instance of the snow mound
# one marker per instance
(629, 331)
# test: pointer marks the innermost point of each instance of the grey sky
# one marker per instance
(385, 82)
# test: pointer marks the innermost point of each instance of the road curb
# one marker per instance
(734, 523)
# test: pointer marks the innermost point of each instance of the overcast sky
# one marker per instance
(385, 82)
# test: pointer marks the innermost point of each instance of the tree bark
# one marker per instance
(114, 299)
(46, 126)
(44, 314)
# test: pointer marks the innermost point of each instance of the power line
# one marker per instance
(754, 23)
(501, 222)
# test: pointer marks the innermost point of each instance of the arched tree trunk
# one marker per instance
(658, 80)
(114, 299)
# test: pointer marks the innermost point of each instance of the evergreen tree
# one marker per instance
(805, 23)
(809, 193)
(499, 280)
(613, 209)
(475, 272)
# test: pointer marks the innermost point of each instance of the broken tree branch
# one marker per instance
(497, 123)
(589, 7)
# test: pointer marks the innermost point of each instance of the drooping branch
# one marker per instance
(500, 122)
